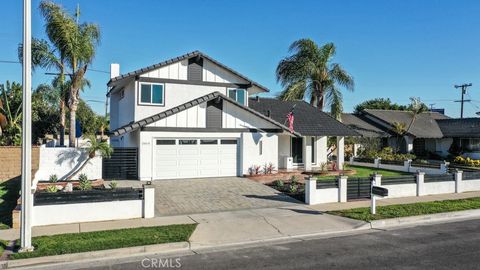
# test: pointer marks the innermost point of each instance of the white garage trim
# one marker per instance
(194, 157)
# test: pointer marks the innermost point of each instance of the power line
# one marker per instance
(48, 73)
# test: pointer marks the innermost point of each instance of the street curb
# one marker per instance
(100, 254)
(425, 219)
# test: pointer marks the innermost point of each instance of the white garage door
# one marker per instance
(190, 158)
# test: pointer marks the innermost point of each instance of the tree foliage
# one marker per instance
(309, 73)
(385, 104)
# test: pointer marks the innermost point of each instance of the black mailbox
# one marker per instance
(379, 191)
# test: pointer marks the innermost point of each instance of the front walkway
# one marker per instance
(205, 195)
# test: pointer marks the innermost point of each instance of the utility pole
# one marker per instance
(27, 205)
(463, 87)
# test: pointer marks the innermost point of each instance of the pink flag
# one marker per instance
(290, 119)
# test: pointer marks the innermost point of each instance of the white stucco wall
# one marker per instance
(401, 190)
(432, 188)
(250, 146)
(470, 185)
(130, 139)
(284, 142)
(86, 212)
(63, 161)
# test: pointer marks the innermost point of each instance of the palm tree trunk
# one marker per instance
(321, 98)
(62, 122)
(73, 112)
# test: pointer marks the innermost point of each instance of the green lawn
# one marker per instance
(9, 193)
(405, 210)
(3, 246)
(90, 241)
(366, 172)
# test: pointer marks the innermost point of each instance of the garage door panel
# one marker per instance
(196, 160)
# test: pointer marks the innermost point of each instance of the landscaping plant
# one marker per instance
(113, 184)
(279, 184)
(84, 183)
(51, 189)
(467, 161)
(94, 146)
(53, 178)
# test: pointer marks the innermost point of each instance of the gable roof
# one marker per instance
(178, 59)
(425, 125)
(164, 114)
(460, 128)
(309, 121)
(363, 126)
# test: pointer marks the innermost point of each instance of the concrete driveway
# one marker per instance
(204, 195)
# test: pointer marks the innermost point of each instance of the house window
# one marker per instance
(165, 142)
(122, 94)
(152, 94)
(187, 142)
(313, 150)
(239, 95)
(228, 141)
(208, 142)
(260, 148)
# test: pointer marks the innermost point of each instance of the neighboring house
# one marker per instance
(190, 117)
(431, 132)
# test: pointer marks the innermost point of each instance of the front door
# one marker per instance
(297, 150)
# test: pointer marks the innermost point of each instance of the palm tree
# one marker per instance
(77, 44)
(415, 108)
(43, 55)
(94, 146)
(309, 73)
(10, 114)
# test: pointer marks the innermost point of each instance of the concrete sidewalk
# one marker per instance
(405, 200)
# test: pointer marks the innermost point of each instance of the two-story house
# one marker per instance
(191, 116)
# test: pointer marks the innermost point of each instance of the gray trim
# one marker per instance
(154, 118)
(195, 69)
(161, 80)
(180, 58)
(214, 110)
(214, 130)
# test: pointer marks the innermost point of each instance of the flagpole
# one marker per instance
(26, 229)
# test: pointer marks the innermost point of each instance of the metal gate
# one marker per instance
(358, 188)
(122, 165)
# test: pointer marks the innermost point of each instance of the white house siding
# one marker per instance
(215, 73)
(250, 146)
(175, 94)
(175, 71)
(126, 140)
(283, 149)
(236, 117)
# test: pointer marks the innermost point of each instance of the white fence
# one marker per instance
(420, 184)
(65, 213)
(407, 166)
(63, 161)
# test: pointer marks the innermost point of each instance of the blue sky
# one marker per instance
(394, 49)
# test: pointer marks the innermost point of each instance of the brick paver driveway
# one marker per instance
(188, 196)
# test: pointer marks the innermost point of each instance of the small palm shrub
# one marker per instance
(293, 188)
(53, 178)
(278, 184)
(52, 189)
(113, 184)
(84, 183)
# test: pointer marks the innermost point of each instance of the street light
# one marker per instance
(26, 226)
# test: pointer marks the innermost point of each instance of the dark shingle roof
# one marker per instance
(309, 121)
(180, 58)
(363, 126)
(154, 118)
(460, 128)
(425, 125)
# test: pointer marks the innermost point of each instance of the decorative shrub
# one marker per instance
(467, 161)
(293, 180)
(279, 184)
(53, 178)
(268, 168)
(324, 166)
(254, 170)
(84, 183)
(51, 189)
(387, 153)
(293, 188)
(113, 184)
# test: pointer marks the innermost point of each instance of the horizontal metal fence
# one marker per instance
(366, 160)
(454, 166)
(471, 176)
(392, 162)
(439, 178)
(425, 165)
(330, 183)
(407, 179)
(87, 196)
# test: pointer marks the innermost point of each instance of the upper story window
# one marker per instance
(152, 94)
(239, 95)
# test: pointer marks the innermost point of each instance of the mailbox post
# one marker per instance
(376, 191)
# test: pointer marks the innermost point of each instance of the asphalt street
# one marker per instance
(441, 246)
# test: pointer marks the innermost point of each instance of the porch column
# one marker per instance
(321, 150)
(340, 152)
(307, 153)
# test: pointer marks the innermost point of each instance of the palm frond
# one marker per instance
(335, 100)
(296, 91)
(340, 76)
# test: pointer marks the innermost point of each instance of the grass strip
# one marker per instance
(101, 240)
(365, 172)
(407, 210)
